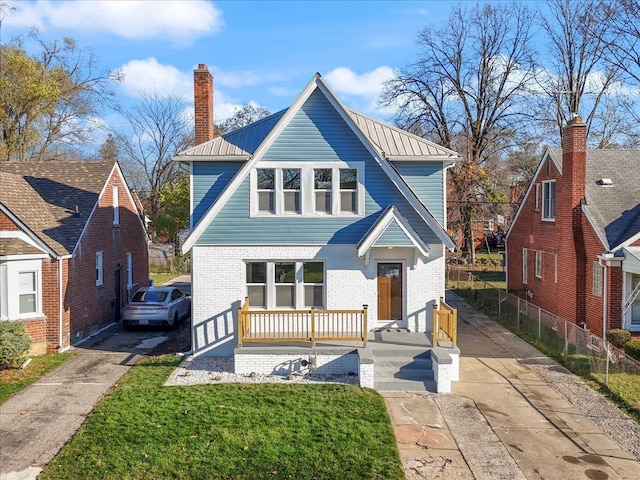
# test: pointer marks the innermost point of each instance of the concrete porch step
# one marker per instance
(390, 385)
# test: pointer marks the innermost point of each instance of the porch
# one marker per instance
(339, 343)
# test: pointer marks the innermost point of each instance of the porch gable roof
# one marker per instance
(389, 219)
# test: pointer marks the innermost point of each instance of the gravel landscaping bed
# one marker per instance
(199, 370)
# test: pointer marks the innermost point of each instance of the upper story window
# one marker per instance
(348, 190)
(266, 190)
(291, 190)
(308, 190)
(549, 200)
(99, 270)
(115, 205)
(322, 189)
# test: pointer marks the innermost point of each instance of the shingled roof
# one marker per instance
(54, 200)
(613, 209)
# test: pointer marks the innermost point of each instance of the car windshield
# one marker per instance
(150, 296)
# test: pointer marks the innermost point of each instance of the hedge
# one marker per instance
(14, 344)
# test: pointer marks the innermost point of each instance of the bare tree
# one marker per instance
(243, 116)
(158, 129)
(576, 76)
(625, 50)
(466, 92)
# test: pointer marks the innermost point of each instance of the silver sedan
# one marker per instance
(156, 306)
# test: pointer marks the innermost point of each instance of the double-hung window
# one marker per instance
(20, 288)
(115, 205)
(266, 190)
(291, 189)
(597, 279)
(549, 200)
(285, 284)
(322, 189)
(538, 264)
(525, 273)
(28, 292)
(348, 190)
(326, 188)
(99, 270)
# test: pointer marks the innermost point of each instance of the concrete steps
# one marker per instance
(403, 369)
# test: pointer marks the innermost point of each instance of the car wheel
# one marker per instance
(173, 322)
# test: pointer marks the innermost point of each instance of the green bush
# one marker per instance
(618, 337)
(14, 343)
(632, 349)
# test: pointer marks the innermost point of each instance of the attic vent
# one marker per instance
(605, 182)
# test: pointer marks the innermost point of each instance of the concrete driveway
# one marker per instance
(36, 422)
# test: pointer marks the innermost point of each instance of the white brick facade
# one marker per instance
(219, 285)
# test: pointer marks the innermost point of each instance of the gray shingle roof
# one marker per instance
(16, 246)
(44, 196)
(614, 210)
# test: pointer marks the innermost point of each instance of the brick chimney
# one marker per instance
(203, 103)
(574, 159)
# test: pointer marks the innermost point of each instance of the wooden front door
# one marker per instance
(389, 291)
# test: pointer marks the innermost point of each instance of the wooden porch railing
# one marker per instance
(445, 324)
(301, 325)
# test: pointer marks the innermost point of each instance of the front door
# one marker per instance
(389, 291)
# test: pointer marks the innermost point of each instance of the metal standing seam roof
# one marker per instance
(44, 196)
(389, 140)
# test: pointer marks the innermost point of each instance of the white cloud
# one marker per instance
(149, 75)
(363, 89)
(175, 20)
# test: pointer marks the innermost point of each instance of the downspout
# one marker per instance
(606, 300)
(59, 303)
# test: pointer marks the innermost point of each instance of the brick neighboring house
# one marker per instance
(72, 247)
(574, 246)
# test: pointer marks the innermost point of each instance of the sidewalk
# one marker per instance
(502, 420)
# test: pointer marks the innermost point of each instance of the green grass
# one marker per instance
(160, 278)
(13, 380)
(142, 430)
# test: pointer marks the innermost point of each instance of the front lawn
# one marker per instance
(13, 380)
(230, 431)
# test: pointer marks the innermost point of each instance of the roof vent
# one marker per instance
(605, 182)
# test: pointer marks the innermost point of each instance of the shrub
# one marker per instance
(618, 337)
(14, 343)
(632, 349)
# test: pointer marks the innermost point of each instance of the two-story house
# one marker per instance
(72, 248)
(573, 248)
(314, 207)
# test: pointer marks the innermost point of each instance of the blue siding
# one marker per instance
(209, 179)
(425, 179)
(393, 236)
(315, 133)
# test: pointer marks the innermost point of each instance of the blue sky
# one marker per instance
(259, 51)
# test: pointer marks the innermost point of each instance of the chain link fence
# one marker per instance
(585, 352)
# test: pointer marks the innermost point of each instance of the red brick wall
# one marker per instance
(90, 307)
(6, 223)
(530, 232)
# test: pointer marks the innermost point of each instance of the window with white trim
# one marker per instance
(20, 289)
(115, 205)
(285, 284)
(549, 200)
(129, 270)
(524, 266)
(597, 279)
(537, 187)
(322, 189)
(308, 190)
(538, 264)
(99, 270)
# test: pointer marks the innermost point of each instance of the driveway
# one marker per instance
(36, 422)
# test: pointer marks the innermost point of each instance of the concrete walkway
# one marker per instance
(502, 421)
